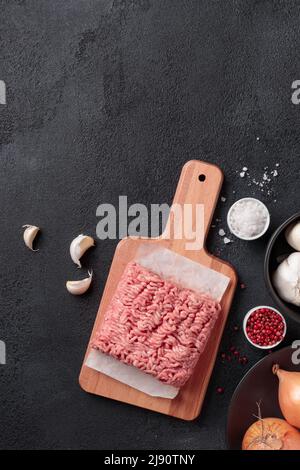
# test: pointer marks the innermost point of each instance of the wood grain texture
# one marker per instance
(187, 404)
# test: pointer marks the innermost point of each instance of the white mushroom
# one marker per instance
(79, 246)
(29, 235)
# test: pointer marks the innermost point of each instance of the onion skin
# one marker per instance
(292, 441)
(289, 395)
(271, 434)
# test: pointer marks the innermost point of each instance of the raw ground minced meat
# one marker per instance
(156, 326)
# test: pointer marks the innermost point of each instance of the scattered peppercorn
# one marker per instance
(220, 390)
(243, 360)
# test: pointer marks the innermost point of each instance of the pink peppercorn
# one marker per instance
(243, 360)
(265, 327)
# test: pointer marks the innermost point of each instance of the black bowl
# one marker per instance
(278, 248)
(258, 385)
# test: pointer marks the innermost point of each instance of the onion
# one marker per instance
(289, 394)
(271, 434)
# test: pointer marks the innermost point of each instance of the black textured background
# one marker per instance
(110, 97)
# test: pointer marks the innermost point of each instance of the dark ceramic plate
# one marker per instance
(278, 248)
(259, 384)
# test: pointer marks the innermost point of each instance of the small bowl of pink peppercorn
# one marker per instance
(264, 327)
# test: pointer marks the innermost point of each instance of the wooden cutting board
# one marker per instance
(199, 183)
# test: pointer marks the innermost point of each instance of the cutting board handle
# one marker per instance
(197, 193)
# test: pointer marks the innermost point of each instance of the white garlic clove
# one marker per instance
(29, 235)
(79, 287)
(79, 246)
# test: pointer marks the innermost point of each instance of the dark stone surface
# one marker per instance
(111, 97)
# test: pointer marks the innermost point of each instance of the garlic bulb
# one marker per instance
(287, 279)
(79, 287)
(292, 236)
(79, 246)
(29, 235)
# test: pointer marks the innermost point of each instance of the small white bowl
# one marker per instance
(255, 236)
(245, 324)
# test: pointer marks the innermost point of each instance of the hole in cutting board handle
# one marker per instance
(201, 178)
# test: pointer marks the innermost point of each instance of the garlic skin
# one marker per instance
(292, 235)
(79, 246)
(29, 235)
(79, 287)
(286, 279)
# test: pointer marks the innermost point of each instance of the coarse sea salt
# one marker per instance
(265, 182)
(248, 218)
